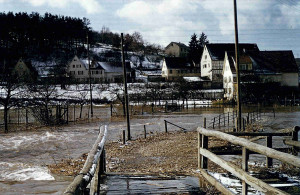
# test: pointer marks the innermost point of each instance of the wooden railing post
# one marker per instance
(145, 132)
(219, 120)
(295, 138)
(102, 162)
(199, 146)
(214, 123)
(124, 137)
(204, 145)
(245, 159)
(269, 162)
(228, 118)
(166, 127)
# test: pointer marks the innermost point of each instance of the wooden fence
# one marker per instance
(166, 126)
(248, 148)
(92, 170)
(226, 119)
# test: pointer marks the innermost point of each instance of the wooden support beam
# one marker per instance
(215, 183)
(252, 146)
(245, 159)
(244, 176)
(269, 145)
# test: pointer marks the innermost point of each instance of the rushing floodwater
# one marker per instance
(24, 155)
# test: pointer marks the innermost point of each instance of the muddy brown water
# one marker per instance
(23, 155)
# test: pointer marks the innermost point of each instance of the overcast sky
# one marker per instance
(272, 24)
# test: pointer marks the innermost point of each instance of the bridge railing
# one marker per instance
(92, 170)
(204, 154)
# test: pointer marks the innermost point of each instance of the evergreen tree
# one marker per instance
(194, 55)
(202, 42)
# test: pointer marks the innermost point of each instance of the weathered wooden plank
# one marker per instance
(252, 146)
(215, 183)
(259, 133)
(291, 143)
(90, 165)
(239, 152)
(244, 176)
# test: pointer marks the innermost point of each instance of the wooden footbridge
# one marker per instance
(88, 180)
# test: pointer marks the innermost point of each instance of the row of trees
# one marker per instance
(43, 36)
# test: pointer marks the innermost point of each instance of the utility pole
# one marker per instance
(90, 79)
(237, 60)
(125, 88)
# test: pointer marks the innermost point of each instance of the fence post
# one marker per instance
(295, 138)
(228, 118)
(199, 146)
(244, 126)
(219, 120)
(214, 123)
(245, 159)
(111, 110)
(26, 116)
(74, 113)
(269, 144)
(204, 145)
(123, 137)
(67, 113)
(145, 132)
(18, 116)
(166, 126)
(274, 112)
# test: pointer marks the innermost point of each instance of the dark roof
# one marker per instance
(217, 50)
(274, 61)
(177, 63)
(179, 44)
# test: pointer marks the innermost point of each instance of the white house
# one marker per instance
(78, 69)
(174, 68)
(260, 67)
(212, 60)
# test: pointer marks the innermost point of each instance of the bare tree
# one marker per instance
(11, 91)
(42, 97)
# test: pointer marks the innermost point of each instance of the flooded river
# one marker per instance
(24, 155)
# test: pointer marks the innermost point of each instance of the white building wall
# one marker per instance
(77, 70)
(164, 70)
(289, 79)
(228, 80)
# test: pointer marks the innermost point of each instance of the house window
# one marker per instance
(171, 71)
(243, 66)
(72, 72)
(225, 80)
(204, 66)
(229, 79)
(229, 90)
(163, 72)
(249, 66)
(78, 66)
(80, 72)
(205, 57)
(74, 66)
(178, 71)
